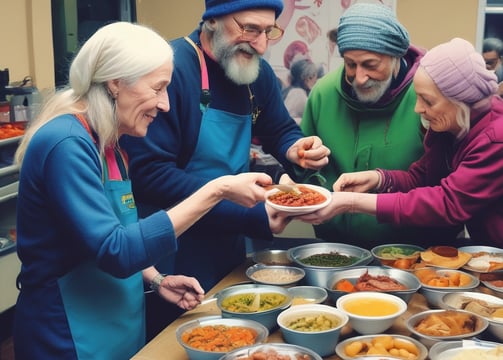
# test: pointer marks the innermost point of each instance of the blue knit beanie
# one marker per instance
(372, 27)
(216, 8)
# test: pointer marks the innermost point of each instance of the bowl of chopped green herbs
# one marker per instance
(321, 260)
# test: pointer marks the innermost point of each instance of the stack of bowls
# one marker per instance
(316, 275)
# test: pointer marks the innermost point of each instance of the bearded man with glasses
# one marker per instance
(222, 94)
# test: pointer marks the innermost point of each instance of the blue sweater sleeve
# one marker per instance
(64, 159)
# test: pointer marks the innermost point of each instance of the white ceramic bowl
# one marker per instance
(321, 341)
(447, 350)
(307, 295)
(371, 323)
(298, 210)
(394, 342)
(434, 294)
(481, 325)
(280, 275)
(272, 351)
(459, 300)
(197, 354)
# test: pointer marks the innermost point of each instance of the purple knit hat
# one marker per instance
(216, 8)
(459, 71)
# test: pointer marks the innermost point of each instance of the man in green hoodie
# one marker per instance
(364, 112)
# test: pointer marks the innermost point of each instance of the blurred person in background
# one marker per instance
(303, 76)
(222, 94)
(492, 51)
(84, 254)
(364, 112)
(459, 178)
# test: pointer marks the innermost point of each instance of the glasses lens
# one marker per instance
(275, 33)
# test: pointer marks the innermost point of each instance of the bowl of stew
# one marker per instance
(304, 199)
(321, 260)
(210, 337)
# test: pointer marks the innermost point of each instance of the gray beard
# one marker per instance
(227, 57)
(379, 88)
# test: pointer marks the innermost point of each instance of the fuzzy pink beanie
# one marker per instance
(459, 71)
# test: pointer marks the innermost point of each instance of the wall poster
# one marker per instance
(306, 24)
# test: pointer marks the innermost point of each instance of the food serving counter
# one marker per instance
(165, 345)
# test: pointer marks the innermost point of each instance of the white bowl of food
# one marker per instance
(466, 350)
(280, 275)
(392, 345)
(314, 326)
(432, 326)
(485, 305)
(305, 198)
(371, 312)
(210, 337)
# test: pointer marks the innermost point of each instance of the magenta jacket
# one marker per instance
(454, 182)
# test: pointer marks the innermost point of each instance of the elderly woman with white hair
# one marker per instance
(459, 178)
(82, 248)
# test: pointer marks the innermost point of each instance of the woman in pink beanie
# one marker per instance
(459, 179)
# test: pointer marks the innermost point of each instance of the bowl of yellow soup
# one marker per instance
(314, 326)
(258, 302)
(371, 312)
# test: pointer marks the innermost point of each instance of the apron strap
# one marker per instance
(205, 83)
(115, 164)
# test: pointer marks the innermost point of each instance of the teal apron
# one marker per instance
(223, 148)
(106, 314)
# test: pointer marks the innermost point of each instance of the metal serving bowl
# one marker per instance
(405, 278)
(434, 294)
(308, 294)
(397, 342)
(280, 275)
(196, 354)
(428, 341)
(272, 257)
(458, 300)
(265, 317)
(279, 349)
(319, 275)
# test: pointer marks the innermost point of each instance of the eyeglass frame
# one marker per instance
(251, 32)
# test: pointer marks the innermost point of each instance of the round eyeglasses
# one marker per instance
(251, 32)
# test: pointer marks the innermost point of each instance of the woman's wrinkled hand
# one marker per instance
(309, 153)
(361, 181)
(184, 291)
(246, 189)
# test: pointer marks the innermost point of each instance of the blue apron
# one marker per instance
(223, 148)
(106, 314)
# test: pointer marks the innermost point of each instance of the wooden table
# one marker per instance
(165, 345)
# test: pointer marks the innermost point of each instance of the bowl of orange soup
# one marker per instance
(371, 312)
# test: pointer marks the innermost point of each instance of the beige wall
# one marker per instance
(431, 22)
(25, 26)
